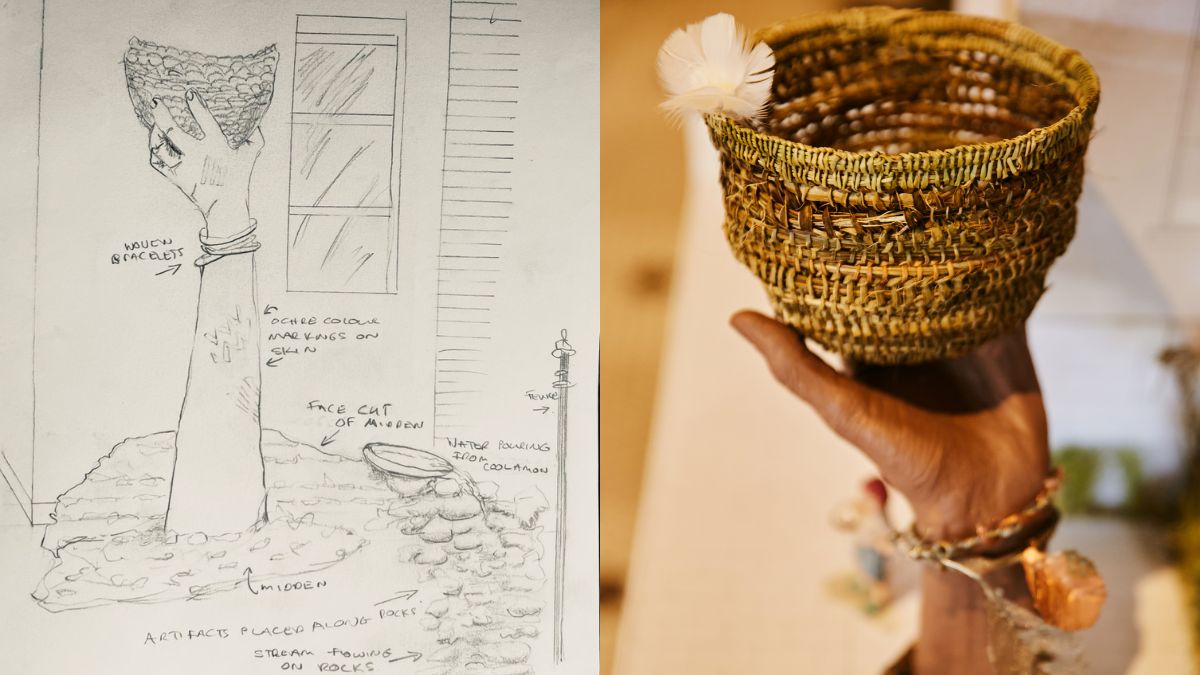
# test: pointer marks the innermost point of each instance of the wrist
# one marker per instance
(958, 516)
(226, 217)
(937, 526)
(985, 536)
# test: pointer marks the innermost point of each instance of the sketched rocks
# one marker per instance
(479, 556)
(110, 546)
(436, 531)
(484, 556)
(125, 492)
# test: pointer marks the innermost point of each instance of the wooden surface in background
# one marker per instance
(641, 182)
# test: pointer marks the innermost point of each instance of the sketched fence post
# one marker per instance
(562, 384)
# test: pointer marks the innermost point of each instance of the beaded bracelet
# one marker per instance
(912, 545)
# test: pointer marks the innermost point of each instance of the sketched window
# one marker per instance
(344, 185)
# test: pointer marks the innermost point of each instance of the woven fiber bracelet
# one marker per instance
(215, 248)
(1034, 522)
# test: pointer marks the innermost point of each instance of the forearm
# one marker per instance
(217, 482)
(954, 631)
(964, 439)
(218, 442)
(225, 350)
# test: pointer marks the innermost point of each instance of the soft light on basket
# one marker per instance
(913, 178)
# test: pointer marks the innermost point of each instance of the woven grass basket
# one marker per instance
(914, 177)
(236, 89)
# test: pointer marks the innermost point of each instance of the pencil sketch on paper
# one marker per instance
(562, 385)
(221, 503)
(442, 518)
(480, 554)
(346, 121)
(186, 513)
(216, 482)
(479, 152)
(483, 554)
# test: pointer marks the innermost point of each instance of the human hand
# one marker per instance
(212, 175)
(964, 439)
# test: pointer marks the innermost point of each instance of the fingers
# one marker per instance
(167, 140)
(876, 423)
(790, 361)
(204, 118)
(163, 157)
(162, 116)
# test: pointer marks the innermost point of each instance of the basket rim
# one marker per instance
(269, 53)
(958, 165)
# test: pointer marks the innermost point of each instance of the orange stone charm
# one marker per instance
(1067, 590)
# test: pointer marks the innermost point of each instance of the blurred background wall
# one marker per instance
(642, 192)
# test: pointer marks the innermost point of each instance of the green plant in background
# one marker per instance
(1187, 539)
(1136, 503)
(1184, 363)
(1081, 467)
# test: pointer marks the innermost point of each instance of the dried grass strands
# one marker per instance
(913, 179)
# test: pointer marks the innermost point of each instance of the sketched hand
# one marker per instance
(207, 171)
(963, 439)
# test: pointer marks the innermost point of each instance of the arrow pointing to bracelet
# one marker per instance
(173, 269)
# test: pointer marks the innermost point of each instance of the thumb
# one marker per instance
(878, 424)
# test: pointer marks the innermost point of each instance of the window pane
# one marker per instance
(348, 254)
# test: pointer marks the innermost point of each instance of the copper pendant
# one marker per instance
(1067, 590)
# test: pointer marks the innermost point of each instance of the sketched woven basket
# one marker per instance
(236, 89)
(913, 179)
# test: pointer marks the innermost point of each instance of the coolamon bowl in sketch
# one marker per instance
(236, 89)
(406, 462)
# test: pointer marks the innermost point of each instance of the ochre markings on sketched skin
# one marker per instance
(248, 397)
(229, 337)
(212, 173)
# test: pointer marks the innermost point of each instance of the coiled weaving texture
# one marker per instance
(236, 89)
(914, 178)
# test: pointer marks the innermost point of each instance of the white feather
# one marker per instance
(709, 68)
